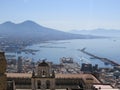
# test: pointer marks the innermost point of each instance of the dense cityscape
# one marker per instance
(67, 66)
(25, 72)
(59, 44)
(22, 72)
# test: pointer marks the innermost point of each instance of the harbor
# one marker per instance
(105, 60)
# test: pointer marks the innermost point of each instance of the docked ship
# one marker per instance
(66, 60)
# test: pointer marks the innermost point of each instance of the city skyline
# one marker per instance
(63, 15)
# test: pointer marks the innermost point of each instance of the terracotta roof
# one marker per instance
(57, 76)
(85, 77)
(19, 75)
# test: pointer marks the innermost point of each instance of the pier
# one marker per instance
(105, 60)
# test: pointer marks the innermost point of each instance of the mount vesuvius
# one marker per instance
(31, 30)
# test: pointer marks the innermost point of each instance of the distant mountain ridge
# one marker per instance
(99, 32)
(31, 30)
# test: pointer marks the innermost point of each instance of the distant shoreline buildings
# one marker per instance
(43, 76)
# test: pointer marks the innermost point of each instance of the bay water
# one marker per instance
(54, 50)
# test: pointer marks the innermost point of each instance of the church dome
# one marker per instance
(43, 63)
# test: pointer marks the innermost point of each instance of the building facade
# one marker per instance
(3, 78)
(44, 78)
(19, 68)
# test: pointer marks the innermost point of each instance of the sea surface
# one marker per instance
(54, 50)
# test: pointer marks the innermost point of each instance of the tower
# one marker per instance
(3, 78)
(44, 78)
(19, 64)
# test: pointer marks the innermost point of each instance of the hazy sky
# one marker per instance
(63, 14)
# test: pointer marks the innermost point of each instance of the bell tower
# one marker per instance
(3, 78)
(44, 78)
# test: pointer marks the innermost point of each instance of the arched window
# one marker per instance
(39, 84)
(43, 73)
(48, 84)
